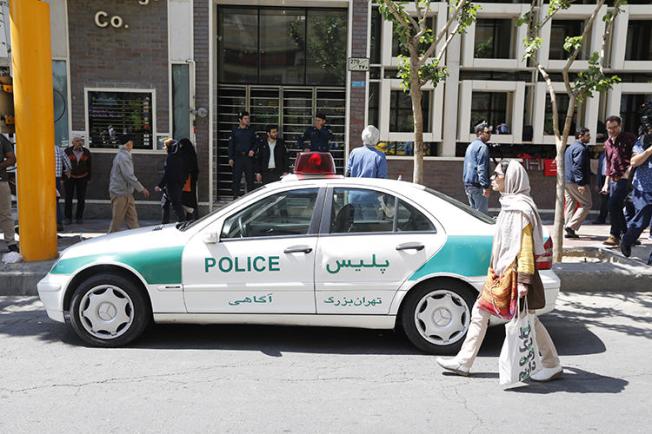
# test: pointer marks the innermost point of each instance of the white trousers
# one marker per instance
(478, 329)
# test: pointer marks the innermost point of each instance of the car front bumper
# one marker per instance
(51, 290)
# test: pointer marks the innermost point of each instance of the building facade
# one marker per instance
(184, 68)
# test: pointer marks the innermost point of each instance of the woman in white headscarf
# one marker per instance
(518, 239)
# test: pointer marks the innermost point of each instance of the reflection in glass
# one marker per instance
(180, 101)
(238, 45)
(60, 84)
(490, 107)
(401, 119)
(326, 47)
(282, 51)
(493, 39)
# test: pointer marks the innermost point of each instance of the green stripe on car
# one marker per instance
(462, 255)
(157, 266)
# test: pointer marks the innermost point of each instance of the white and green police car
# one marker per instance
(317, 250)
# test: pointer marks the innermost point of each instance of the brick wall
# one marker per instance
(358, 49)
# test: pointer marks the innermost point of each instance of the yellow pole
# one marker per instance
(33, 104)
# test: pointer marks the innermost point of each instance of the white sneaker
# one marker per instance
(547, 374)
(453, 366)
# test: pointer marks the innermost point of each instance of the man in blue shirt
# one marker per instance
(367, 161)
(476, 169)
(242, 149)
(319, 136)
(642, 194)
(577, 173)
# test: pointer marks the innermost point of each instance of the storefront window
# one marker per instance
(113, 113)
(639, 40)
(490, 107)
(60, 84)
(400, 112)
(493, 39)
(181, 101)
(560, 30)
(238, 45)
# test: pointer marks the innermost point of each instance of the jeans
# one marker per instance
(617, 194)
(243, 164)
(78, 185)
(476, 199)
(641, 219)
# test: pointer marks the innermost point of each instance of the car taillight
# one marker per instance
(544, 262)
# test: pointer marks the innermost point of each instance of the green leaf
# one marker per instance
(572, 43)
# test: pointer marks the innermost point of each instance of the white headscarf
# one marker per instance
(517, 211)
(370, 136)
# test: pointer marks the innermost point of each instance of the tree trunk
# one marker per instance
(416, 96)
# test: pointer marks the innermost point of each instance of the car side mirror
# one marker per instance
(212, 238)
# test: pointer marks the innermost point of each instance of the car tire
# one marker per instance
(435, 317)
(109, 310)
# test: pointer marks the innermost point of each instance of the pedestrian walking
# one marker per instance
(191, 167)
(577, 173)
(242, 150)
(79, 159)
(517, 241)
(122, 183)
(366, 161)
(476, 169)
(7, 159)
(618, 152)
(172, 182)
(642, 194)
(62, 169)
(272, 159)
(319, 135)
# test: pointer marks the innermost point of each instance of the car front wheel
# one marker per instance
(109, 311)
(436, 316)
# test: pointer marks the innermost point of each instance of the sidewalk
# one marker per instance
(588, 265)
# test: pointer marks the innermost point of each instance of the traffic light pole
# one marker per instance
(31, 59)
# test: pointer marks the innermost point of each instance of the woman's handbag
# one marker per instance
(519, 357)
(499, 294)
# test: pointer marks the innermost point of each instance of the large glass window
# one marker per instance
(639, 40)
(112, 113)
(60, 84)
(358, 210)
(493, 39)
(292, 46)
(280, 215)
(401, 119)
(560, 30)
(630, 110)
(375, 41)
(181, 101)
(374, 103)
(562, 107)
(491, 107)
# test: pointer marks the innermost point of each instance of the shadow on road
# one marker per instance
(576, 380)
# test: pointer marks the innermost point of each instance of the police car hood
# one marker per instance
(132, 241)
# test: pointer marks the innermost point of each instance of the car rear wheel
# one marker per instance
(109, 310)
(436, 316)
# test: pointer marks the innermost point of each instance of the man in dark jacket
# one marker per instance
(272, 160)
(80, 175)
(242, 149)
(174, 177)
(319, 136)
(577, 173)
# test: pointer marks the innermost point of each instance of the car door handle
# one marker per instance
(298, 249)
(410, 246)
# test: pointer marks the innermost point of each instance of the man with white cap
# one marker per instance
(367, 161)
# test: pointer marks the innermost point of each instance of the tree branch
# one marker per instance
(429, 52)
(553, 101)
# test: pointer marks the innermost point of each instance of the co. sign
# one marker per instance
(103, 20)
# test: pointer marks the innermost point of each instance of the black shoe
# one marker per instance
(570, 233)
(13, 248)
(637, 243)
(67, 222)
(625, 249)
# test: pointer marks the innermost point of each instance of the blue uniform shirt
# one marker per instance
(319, 139)
(241, 142)
(477, 165)
(643, 176)
(367, 162)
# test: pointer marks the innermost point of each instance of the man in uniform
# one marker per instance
(319, 135)
(272, 160)
(242, 149)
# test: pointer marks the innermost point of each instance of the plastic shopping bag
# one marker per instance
(519, 357)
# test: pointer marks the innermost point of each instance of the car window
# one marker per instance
(282, 214)
(462, 206)
(410, 219)
(357, 210)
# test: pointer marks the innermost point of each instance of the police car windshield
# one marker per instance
(464, 207)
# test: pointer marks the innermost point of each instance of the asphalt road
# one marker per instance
(282, 379)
